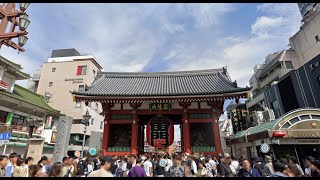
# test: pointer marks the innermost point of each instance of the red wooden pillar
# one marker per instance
(215, 114)
(105, 140)
(186, 128)
(134, 127)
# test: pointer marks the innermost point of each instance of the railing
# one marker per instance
(36, 77)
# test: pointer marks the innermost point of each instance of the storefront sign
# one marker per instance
(314, 66)
(159, 106)
(75, 80)
(308, 141)
(3, 85)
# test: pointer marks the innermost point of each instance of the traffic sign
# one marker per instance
(264, 148)
(77, 153)
(2, 135)
(92, 151)
(8, 135)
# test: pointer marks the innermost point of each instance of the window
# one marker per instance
(50, 84)
(276, 108)
(78, 104)
(81, 88)
(53, 69)
(317, 38)
(97, 106)
(92, 121)
(101, 124)
(93, 73)
(289, 64)
(82, 70)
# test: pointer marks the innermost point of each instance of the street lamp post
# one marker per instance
(8, 13)
(85, 121)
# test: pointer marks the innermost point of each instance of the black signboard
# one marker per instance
(159, 106)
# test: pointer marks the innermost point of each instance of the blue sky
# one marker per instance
(160, 37)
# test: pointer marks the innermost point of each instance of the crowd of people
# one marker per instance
(158, 165)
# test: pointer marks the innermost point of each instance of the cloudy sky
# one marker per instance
(160, 37)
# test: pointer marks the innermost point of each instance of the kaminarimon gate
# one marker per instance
(157, 101)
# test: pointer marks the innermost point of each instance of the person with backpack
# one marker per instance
(137, 170)
(247, 171)
(261, 168)
(82, 168)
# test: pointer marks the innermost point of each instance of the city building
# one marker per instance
(294, 134)
(66, 71)
(160, 100)
(19, 107)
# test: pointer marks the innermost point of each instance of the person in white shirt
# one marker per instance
(193, 168)
(147, 166)
(235, 166)
(105, 168)
(43, 161)
(213, 165)
(168, 165)
(295, 161)
(28, 163)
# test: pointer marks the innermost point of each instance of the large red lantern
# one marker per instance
(160, 132)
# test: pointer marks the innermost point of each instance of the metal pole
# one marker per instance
(295, 150)
(84, 140)
(4, 149)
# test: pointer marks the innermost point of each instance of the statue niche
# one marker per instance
(120, 136)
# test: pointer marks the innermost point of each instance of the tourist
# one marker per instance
(115, 166)
(176, 170)
(294, 160)
(210, 170)
(213, 165)
(36, 171)
(56, 170)
(106, 164)
(247, 171)
(48, 166)
(235, 167)
(223, 167)
(293, 170)
(168, 165)
(193, 165)
(315, 165)
(215, 160)
(96, 163)
(159, 166)
(124, 166)
(67, 169)
(187, 171)
(43, 161)
(202, 171)
(20, 170)
(28, 163)
(308, 171)
(82, 168)
(137, 170)
(202, 157)
(261, 168)
(3, 164)
(269, 164)
(279, 169)
(147, 166)
(13, 157)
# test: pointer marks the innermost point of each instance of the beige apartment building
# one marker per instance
(65, 71)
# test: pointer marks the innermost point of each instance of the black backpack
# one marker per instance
(82, 168)
(263, 170)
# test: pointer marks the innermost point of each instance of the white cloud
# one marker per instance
(264, 24)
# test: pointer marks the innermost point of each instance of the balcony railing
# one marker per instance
(36, 77)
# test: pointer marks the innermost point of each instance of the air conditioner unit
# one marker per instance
(268, 115)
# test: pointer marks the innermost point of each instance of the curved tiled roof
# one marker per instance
(199, 82)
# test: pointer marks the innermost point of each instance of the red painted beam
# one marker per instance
(116, 153)
(121, 121)
(200, 120)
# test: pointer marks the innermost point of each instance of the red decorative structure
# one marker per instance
(186, 98)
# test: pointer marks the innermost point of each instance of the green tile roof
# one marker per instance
(27, 96)
(18, 67)
(256, 129)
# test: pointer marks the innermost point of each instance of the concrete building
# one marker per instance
(276, 66)
(66, 71)
(18, 108)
